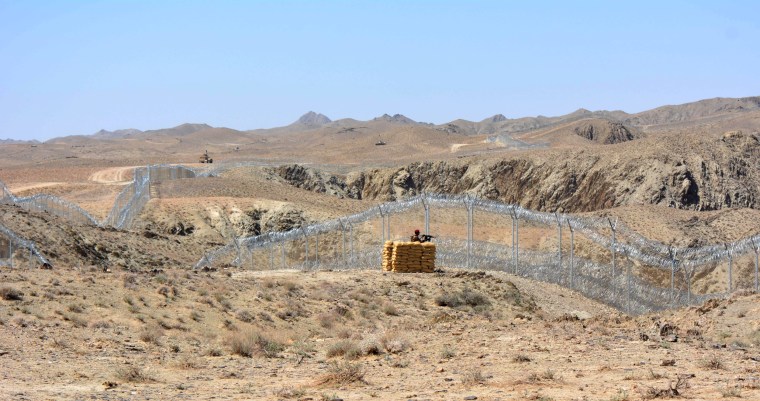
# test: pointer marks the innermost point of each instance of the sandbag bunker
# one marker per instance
(409, 257)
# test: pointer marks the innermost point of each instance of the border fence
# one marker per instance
(624, 273)
(595, 256)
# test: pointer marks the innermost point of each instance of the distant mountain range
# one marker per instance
(494, 125)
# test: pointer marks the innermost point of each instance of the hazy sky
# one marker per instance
(74, 67)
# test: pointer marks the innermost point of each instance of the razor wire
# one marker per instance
(128, 204)
(16, 242)
(646, 251)
(617, 287)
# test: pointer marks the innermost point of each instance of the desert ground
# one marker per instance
(123, 315)
(358, 335)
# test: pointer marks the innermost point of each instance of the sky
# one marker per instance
(75, 67)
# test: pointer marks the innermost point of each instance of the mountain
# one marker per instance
(119, 133)
(180, 130)
(703, 109)
(312, 119)
(396, 119)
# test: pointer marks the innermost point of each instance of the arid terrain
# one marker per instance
(122, 314)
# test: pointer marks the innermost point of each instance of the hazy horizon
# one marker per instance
(75, 68)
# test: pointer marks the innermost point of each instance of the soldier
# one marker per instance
(416, 236)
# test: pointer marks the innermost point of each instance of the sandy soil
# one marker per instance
(357, 335)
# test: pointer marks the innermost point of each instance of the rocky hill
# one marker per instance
(715, 172)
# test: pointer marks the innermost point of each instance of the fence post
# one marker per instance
(271, 256)
(512, 214)
(10, 252)
(515, 239)
(316, 249)
(559, 247)
(238, 261)
(351, 242)
(613, 227)
(426, 205)
(343, 241)
(757, 252)
(572, 254)
(628, 263)
(468, 203)
(672, 254)
(730, 267)
(306, 241)
(382, 216)
(282, 250)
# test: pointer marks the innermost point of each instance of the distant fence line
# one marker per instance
(615, 283)
(618, 239)
(13, 244)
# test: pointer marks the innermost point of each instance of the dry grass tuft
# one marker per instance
(11, 294)
(249, 343)
(152, 334)
(134, 374)
(345, 348)
(473, 377)
(342, 373)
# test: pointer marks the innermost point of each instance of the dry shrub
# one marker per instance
(76, 320)
(152, 334)
(390, 309)
(345, 348)
(473, 377)
(393, 343)
(11, 294)
(245, 316)
(714, 363)
(671, 391)
(370, 346)
(249, 343)
(134, 374)
(520, 358)
(189, 362)
(100, 324)
(342, 373)
(465, 297)
(290, 393)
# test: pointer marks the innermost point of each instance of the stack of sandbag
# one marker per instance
(409, 257)
(387, 256)
(428, 257)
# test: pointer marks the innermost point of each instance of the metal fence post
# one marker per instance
(426, 205)
(316, 249)
(515, 240)
(282, 249)
(559, 246)
(306, 241)
(343, 241)
(351, 242)
(10, 252)
(730, 267)
(512, 214)
(468, 203)
(613, 227)
(572, 254)
(757, 254)
(238, 261)
(628, 281)
(672, 254)
(382, 216)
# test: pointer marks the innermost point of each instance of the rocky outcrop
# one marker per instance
(726, 174)
(605, 132)
(311, 179)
